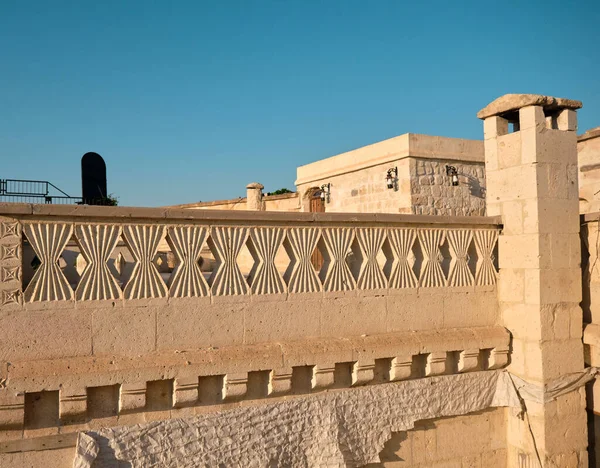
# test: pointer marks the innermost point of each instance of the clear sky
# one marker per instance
(190, 101)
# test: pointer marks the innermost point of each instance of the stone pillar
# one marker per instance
(531, 175)
(254, 196)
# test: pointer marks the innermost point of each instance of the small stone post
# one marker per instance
(254, 196)
(531, 176)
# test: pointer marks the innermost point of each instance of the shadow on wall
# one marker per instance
(391, 449)
(475, 187)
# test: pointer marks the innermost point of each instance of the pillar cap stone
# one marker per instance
(255, 185)
(589, 134)
(513, 102)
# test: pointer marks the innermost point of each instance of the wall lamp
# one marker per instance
(325, 192)
(451, 171)
(391, 177)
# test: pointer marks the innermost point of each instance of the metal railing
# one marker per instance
(34, 191)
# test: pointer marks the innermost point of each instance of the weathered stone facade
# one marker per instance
(358, 178)
(432, 192)
(410, 340)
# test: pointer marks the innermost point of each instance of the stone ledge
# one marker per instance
(215, 377)
(513, 102)
(226, 217)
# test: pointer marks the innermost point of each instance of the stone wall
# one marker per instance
(472, 441)
(365, 190)
(588, 154)
(284, 202)
(358, 178)
(433, 194)
(120, 346)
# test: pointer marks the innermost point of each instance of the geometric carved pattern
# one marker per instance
(10, 274)
(336, 274)
(11, 296)
(371, 275)
(187, 279)
(485, 241)
(145, 281)
(9, 229)
(264, 277)
(226, 244)
(459, 242)
(48, 241)
(96, 243)
(301, 276)
(401, 246)
(432, 274)
(401, 242)
(8, 252)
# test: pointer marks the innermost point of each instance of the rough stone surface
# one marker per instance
(512, 102)
(346, 428)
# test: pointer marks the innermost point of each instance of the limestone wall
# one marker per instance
(433, 194)
(284, 202)
(121, 340)
(476, 440)
(358, 178)
(591, 317)
(364, 190)
(588, 154)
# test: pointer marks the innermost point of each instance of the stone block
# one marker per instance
(200, 326)
(499, 358)
(73, 404)
(511, 285)
(281, 381)
(519, 252)
(45, 334)
(552, 181)
(401, 368)
(552, 286)
(512, 183)
(364, 372)
(572, 436)
(324, 376)
(556, 146)
(129, 331)
(513, 217)
(566, 120)
(12, 407)
(186, 391)
(468, 360)
(494, 127)
(558, 357)
(282, 321)
(532, 117)
(558, 216)
(436, 364)
(509, 150)
(470, 309)
(236, 387)
(133, 396)
(412, 311)
(351, 316)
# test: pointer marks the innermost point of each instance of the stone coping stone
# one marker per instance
(258, 218)
(589, 134)
(512, 102)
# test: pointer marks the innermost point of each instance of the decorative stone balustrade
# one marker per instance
(117, 316)
(361, 253)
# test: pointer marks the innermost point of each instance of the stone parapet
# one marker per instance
(230, 374)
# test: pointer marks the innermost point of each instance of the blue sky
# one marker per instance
(190, 101)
